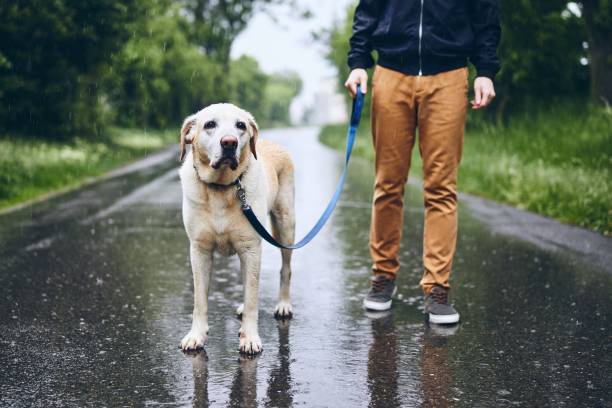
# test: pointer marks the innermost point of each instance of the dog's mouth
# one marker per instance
(225, 160)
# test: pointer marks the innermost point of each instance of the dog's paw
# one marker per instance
(250, 343)
(283, 310)
(239, 310)
(193, 341)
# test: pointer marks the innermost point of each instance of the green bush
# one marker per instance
(52, 54)
(29, 168)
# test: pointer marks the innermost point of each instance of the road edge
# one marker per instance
(131, 167)
(544, 232)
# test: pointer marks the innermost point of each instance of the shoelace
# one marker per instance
(439, 296)
(380, 285)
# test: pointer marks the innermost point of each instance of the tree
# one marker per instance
(248, 84)
(598, 20)
(51, 53)
(541, 49)
(217, 23)
(159, 76)
(281, 90)
(214, 26)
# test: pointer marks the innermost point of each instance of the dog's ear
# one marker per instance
(186, 135)
(254, 130)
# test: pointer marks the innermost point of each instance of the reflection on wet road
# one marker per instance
(96, 293)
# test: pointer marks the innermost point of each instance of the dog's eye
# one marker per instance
(211, 124)
(241, 125)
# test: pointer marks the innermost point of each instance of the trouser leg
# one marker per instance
(393, 129)
(441, 117)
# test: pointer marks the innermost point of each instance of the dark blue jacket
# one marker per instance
(426, 37)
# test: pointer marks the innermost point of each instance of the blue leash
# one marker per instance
(350, 141)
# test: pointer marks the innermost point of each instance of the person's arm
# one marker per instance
(487, 33)
(360, 54)
(364, 23)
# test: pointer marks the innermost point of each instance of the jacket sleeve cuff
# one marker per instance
(486, 72)
(364, 62)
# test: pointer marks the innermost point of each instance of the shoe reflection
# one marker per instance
(382, 361)
(436, 375)
(243, 392)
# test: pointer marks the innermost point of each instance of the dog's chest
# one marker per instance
(216, 222)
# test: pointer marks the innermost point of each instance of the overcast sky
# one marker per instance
(287, 44)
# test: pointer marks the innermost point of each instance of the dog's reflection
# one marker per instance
(280, 393)
(382, 361)
(243, 392)
(244, 387)
(199, 363)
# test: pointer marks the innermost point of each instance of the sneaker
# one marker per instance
(379, 296)
(438, 308)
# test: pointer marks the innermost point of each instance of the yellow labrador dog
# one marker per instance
(224, 149)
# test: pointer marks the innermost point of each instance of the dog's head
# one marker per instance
(220, 133)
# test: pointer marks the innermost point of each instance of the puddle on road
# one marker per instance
(95, 316)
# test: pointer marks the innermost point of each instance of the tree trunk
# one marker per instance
(601, 72)
(600, 48)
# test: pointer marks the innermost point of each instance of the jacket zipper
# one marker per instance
(421, 39)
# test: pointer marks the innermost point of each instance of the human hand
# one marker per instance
(358, 76)
(484, 92)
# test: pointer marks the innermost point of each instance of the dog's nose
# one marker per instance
(229, 142)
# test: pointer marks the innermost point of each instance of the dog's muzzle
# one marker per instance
(229, 146)
(228, 157)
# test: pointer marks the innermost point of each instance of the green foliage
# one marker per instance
(598, 21)
(69, 68)
(51, 53)
(279, 93)
(159, 76)
(36, 166)
(554, 161)
(248, 84)
(540, 50)
(338, 40)
(267, 97)
(218, 23)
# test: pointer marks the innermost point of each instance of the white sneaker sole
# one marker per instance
(379, 306)
(444, 319)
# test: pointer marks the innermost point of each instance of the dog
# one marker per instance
(225, 148)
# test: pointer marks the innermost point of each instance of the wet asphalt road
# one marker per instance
(96, 293)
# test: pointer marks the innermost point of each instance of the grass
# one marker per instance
(554, 162)
(30, 168)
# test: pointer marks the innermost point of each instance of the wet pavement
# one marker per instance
(96, 293)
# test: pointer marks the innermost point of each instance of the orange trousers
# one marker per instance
(437, 106)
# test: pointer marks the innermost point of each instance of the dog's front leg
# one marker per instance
(201, 265)
(250, 263)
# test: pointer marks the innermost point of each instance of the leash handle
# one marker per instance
(358, 103)
(356, 111)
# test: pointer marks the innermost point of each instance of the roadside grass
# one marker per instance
(30, 168)
(556, 162)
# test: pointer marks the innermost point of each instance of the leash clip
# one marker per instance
(241, 195)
